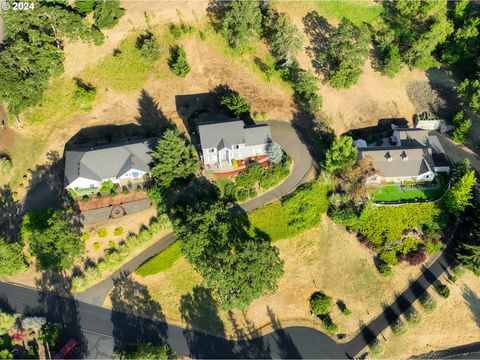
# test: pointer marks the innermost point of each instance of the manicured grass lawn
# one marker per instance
(355, 11)
(161, 262)
(396, 193)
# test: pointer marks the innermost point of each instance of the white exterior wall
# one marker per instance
(428, 176)
(83, 183)
(228, 154)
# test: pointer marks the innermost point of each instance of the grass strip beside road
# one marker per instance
(161, 262)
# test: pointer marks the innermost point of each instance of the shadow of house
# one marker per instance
(382, 129)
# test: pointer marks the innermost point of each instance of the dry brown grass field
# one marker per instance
(325, 258)
(455, 322)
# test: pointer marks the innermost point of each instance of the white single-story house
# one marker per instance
(222, 142)
(123, 164)
(414, 154)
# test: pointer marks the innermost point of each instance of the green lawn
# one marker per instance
(294, 214)
(161, 262)
(355, 11)
(391, 193)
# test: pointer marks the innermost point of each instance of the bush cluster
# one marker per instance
(321, 305)
(115, 256)
(244, 186)
(443, 290)
(428, 302)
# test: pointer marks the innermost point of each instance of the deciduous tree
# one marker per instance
(12, 260)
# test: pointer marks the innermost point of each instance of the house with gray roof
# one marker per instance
(223, 141)
(123, 164)
(410, 154)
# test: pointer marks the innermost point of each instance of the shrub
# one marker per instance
(398, 327)
(443, 290)
(389, 257)
(328, 323)
(428, 302)
(177, 30)
(148, 47)
(178, 61)
(413, 316)
(343, 215)
(235, 104)
(415, 258)
(85, 236)
(85, 198)
(99, 195)
(111, 244)
(432, 246)
(96, 245)
(126, 191)
(376, 348)
(84, 95)
(103, 232)
(117, 255)
(320, 303)
(384, 269)
(260, 116)
(118, 231)
(274, 153)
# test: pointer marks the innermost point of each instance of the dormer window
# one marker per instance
(388, 156)
(404, 156)
(236, 147)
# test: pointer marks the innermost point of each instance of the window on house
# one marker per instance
(135, 174)
(212, 150)
(236, 147)
(92, 186)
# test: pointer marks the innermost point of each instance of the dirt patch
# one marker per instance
(455, 322)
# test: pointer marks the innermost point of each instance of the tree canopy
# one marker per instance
(341, 155)
(178, 61)
(283, 38)
(460, 193)
(237, 267)
(32, 50)
(235, 104)
(147, 351)
(52, 239)
(239, 21)
(469, 252)
(12, 260)
(346, 52)
(416, 28)
(106, 13)
(174, 159)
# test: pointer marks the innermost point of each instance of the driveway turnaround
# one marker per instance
(285, 135)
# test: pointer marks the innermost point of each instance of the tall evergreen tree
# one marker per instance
(283, 38)
(240, 21)
(174, 159)
(460, 194)
(341, 155)
(469, 252)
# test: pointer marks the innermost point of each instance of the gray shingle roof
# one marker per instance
(413, 137)
(397, 167)
(108, 161)
(232, 132)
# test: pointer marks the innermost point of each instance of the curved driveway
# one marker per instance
(282, 133)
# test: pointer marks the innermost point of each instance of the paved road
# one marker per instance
(100, 329)
(469, 351)
(285, 135)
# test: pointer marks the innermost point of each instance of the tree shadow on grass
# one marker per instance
(472, 300)
(136, 317)
(318, 30)
(150, 117)
(200, 312)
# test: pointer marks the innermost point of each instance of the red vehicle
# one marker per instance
(67, 349)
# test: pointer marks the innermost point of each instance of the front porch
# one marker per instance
(226, 168)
